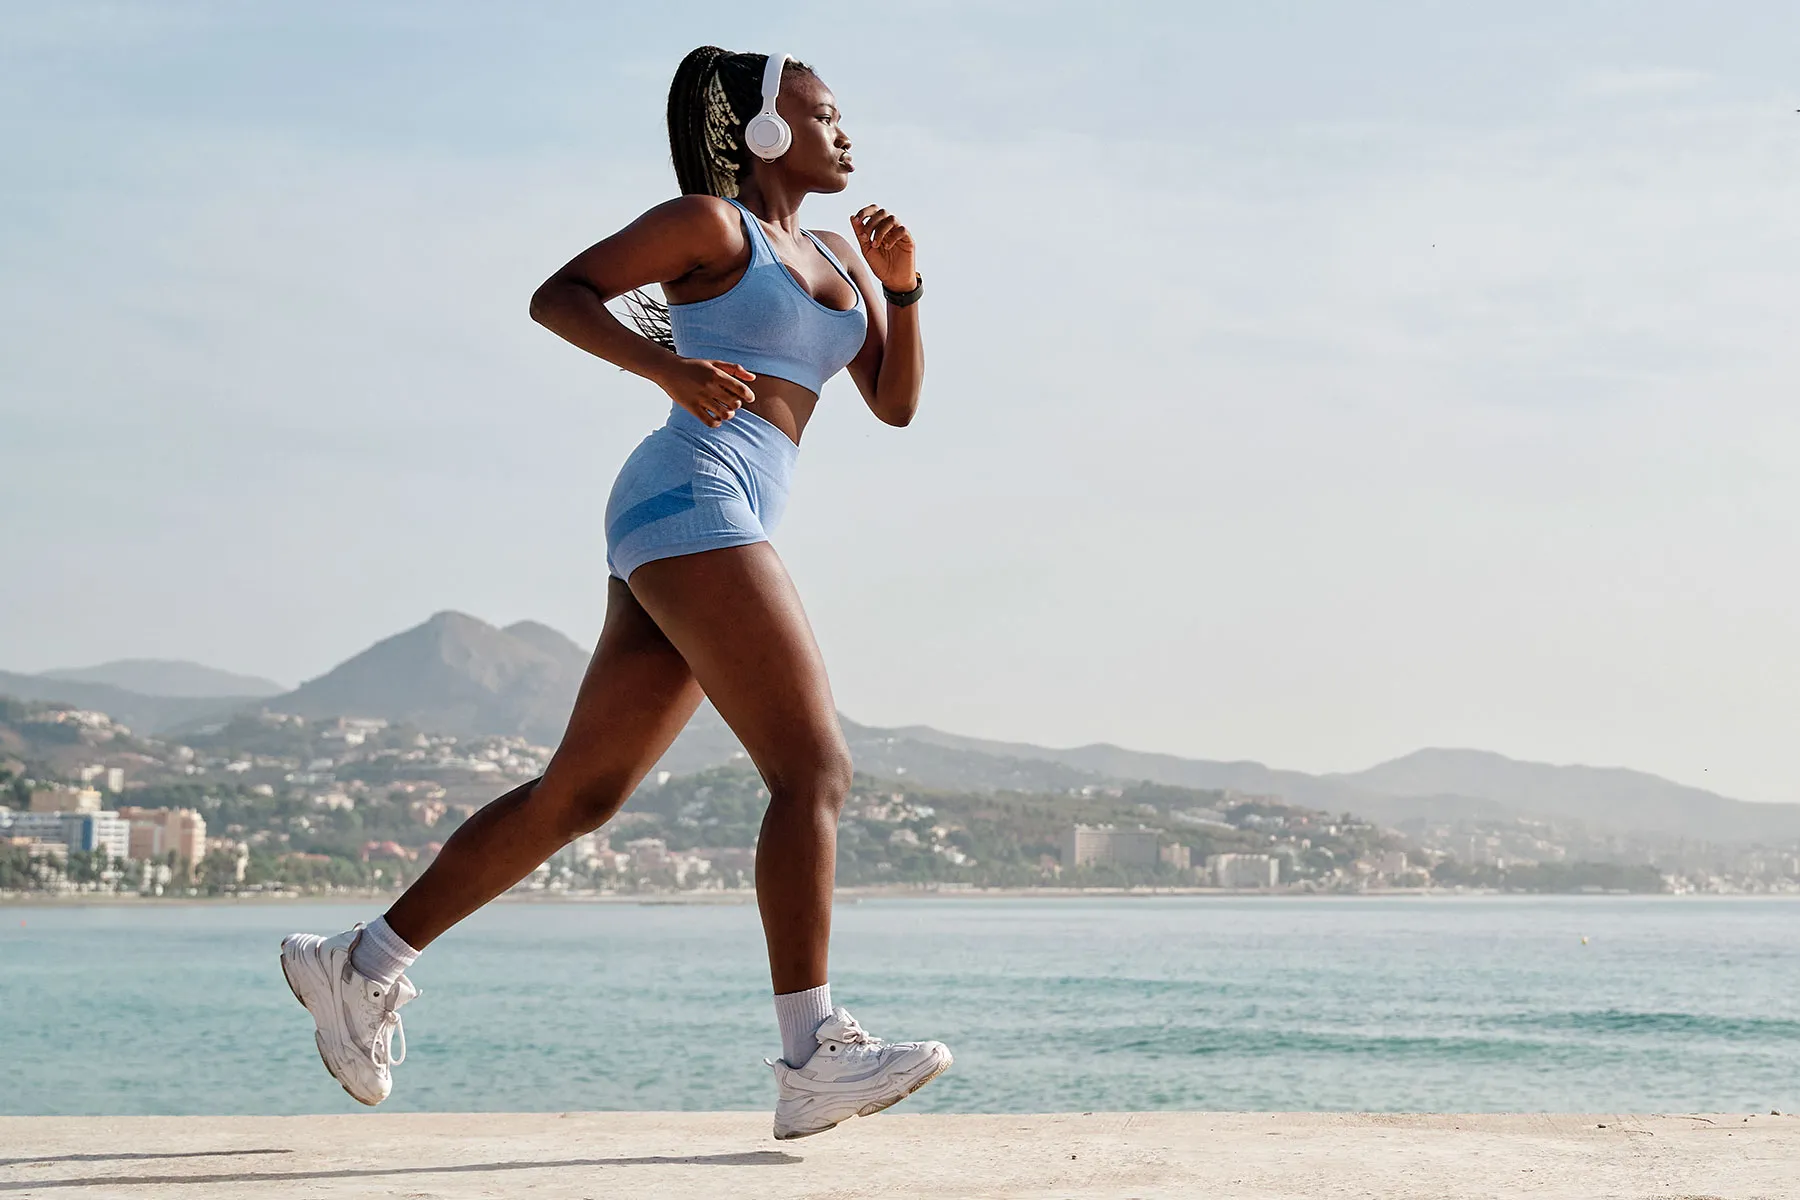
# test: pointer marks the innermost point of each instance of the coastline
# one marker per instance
(29, 900)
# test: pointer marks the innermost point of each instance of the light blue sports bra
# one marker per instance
(768, 323)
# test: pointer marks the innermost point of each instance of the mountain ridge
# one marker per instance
(1600, 796)
(1438, 783)
(147, 714)
(457, 674)
(171, 677)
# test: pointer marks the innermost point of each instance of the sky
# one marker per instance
(1304, 384)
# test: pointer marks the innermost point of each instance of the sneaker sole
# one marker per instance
(317, 1043)
(874, 1106)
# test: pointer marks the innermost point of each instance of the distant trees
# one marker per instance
(305, 872)
(217, 872)
(17, 870)
(1550, 877)
(89, 866)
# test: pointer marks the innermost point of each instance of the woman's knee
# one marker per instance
(578, 806)
(821, 782)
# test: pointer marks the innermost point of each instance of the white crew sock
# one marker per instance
(800, 1015)
(381, 954)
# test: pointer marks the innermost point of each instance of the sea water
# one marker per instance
(1466, 1004)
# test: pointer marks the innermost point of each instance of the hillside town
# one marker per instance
(277, 804)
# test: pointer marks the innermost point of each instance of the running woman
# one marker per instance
(760, 313)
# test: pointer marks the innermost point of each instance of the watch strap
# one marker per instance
(902, 299)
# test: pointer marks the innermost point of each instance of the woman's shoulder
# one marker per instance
(699, 220)
(697, 208)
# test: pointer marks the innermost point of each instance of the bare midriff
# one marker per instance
(784, 404)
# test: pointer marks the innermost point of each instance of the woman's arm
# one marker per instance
(668, 243)
(889, 370)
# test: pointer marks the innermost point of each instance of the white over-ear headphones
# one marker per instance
(767, 135)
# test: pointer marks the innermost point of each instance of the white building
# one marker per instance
(1244, 870)
(110, 778)
(83, 831)
(1097, 845)
(98, 831)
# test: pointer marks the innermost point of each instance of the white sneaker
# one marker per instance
(851, 1074)
(357, 1018)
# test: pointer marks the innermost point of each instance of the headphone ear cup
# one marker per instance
(768, 136)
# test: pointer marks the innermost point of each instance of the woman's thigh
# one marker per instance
(734, 616)
(635, 698)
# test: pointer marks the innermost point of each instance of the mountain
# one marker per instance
(1440, 785)
(1104, 760)
(550, 641)
(1601, 797)
(454, 674)
(145, 714)
(169, 677)
(930, 758)
(457, 674)
(460, 675)
(1436, 785)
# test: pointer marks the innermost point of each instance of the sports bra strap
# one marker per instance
(760, 250)
(833, 260)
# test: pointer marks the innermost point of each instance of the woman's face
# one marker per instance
(819, 158)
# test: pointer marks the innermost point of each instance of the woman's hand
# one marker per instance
(710, 389)
(886, 246)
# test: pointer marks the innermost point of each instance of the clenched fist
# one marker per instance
(710, 389)
(887, 247)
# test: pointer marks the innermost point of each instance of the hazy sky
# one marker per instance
(1306, 384)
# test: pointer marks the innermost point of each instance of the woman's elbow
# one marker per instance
(543, 302)
(897, 416)
(557, 297)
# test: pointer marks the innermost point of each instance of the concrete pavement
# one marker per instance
(730, 1156)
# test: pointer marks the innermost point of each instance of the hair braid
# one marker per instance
(713, 96)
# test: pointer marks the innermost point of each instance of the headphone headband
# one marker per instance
(767, 135)
(772, 80)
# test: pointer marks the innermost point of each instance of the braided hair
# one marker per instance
(713, 96)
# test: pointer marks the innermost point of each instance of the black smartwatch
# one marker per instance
(902, 299)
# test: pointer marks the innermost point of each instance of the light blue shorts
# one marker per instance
(688, 487)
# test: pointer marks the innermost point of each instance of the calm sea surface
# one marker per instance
(1421, 1004)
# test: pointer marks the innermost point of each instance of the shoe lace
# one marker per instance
(847, 1031)
(388, 1029)
(387, 1026)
